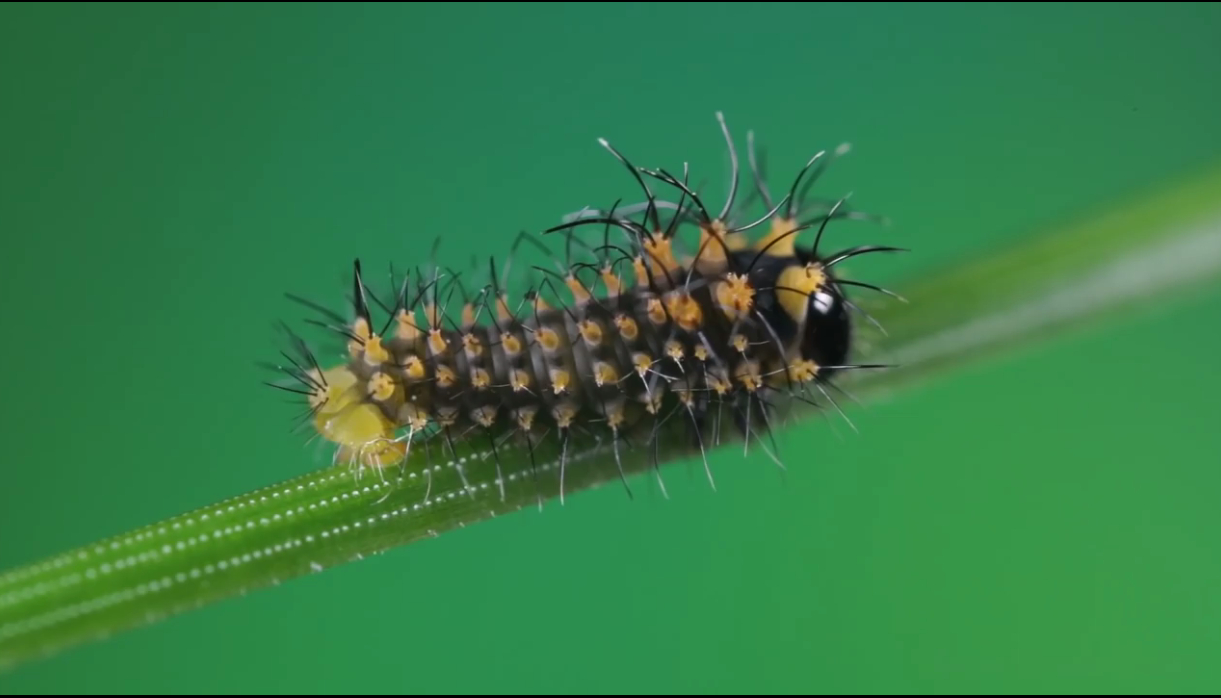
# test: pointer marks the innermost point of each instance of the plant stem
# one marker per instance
(310, 523)
(1117, 262)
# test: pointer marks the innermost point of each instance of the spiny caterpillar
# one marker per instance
(607, 348)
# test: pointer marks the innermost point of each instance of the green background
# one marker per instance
(1046, 521)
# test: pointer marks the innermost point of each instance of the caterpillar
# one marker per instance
(608, 348)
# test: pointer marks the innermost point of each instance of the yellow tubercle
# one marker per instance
(735, 296)
(642, 276)
(747, 375)
(609, 279)
(407, 330)
(802, 371)
(375, 353)
(437, 343)
(685, 310)
(710, 256)
(780, 241)
(382, 387)
(627, 327)
(560, 379)
(674, 350)
(718, 382)
(591, 332)
(642, 363)
(511, 344)
(657, 314)
(472, 345)
(413, 367)
(519, 380)
(446, 378)
(580, 295)
(660, 255)
(548, 339)
(480, 379)
(503, 314)
(360, 337)
(605, 374)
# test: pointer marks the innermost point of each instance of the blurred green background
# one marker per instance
(1043, 522)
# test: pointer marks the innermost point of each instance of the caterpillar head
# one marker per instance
(827, 332)
(807, 309)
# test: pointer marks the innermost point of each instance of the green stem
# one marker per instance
(310, 523)
(1120, 261)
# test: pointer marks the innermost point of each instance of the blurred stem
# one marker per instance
(306, 524)
(1120, 261)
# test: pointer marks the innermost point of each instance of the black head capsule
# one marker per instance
(827, 336)
(799, 302)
